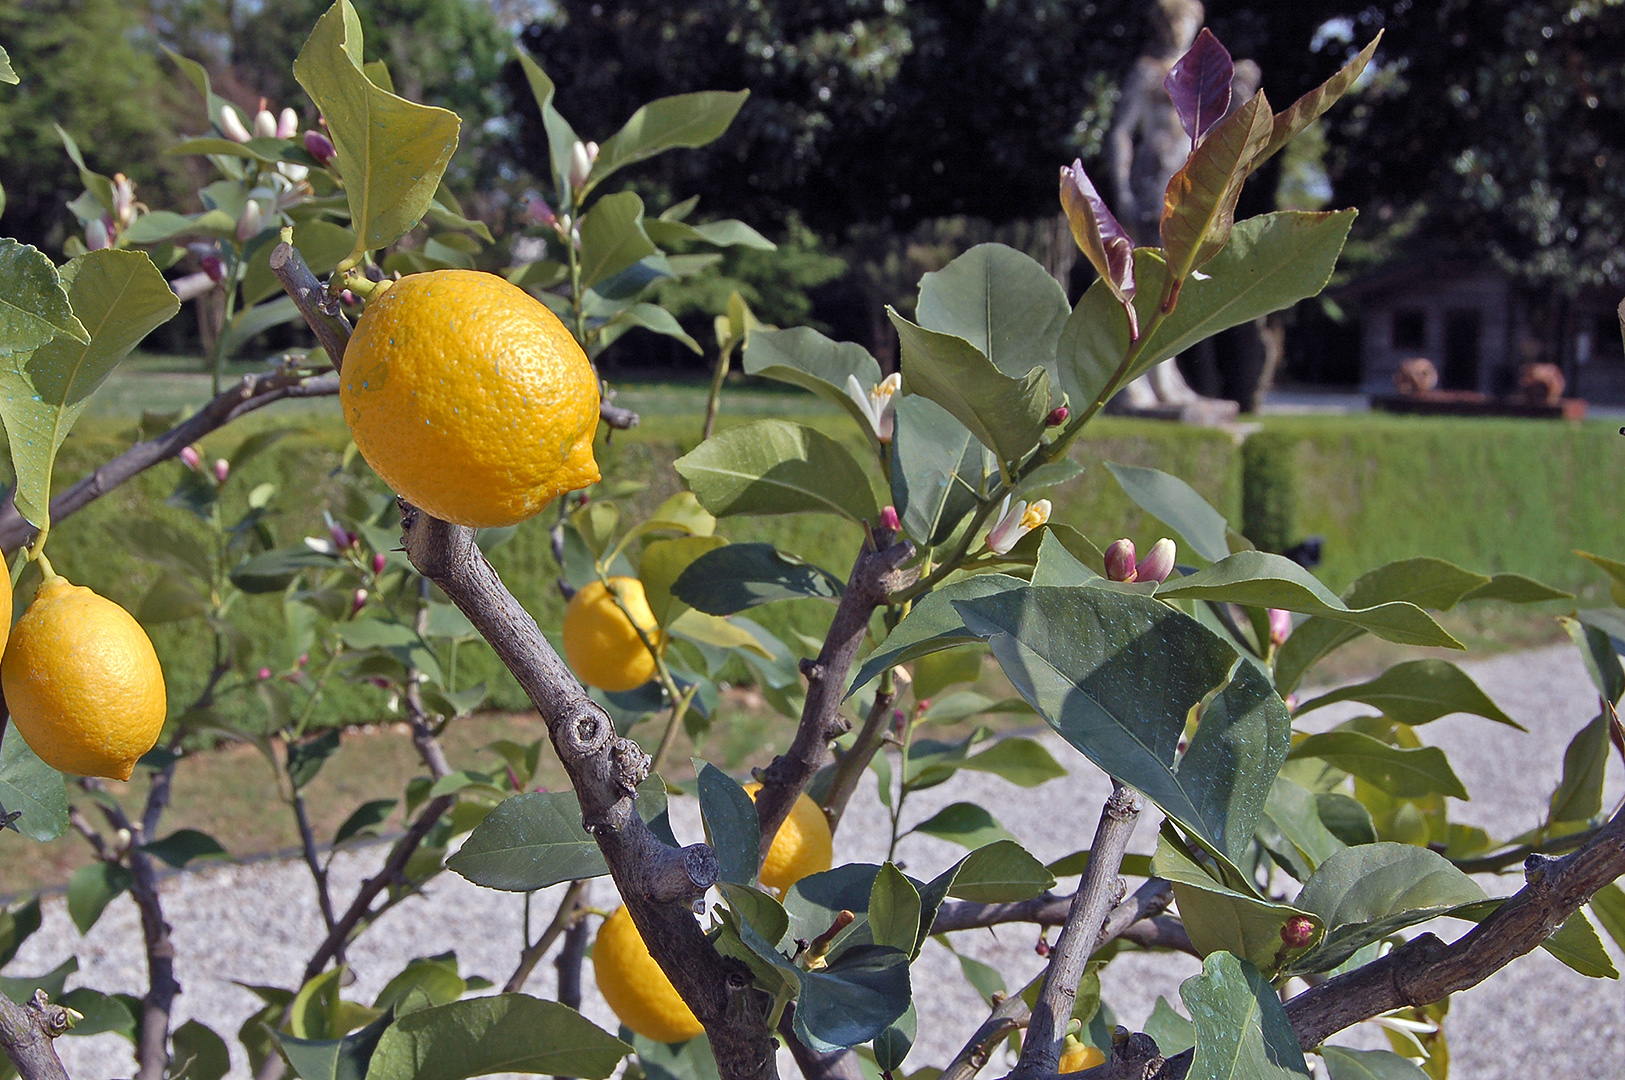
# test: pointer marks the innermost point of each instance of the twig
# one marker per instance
(251, 393)
(1148, 901)
(307, 843)
(879, 570)
(1009, 1014)
(320, 309)
(658, 883)
(26, 1032)
(616, 417)
(1041, 1051)
(564, 917)
(849, 770)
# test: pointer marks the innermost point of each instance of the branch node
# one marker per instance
(586, 731)
(1536, 866)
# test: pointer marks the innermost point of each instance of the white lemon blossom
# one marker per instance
(1016, 521)
(231, 125)
(878, 404)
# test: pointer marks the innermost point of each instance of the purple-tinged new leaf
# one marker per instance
(1307, 109)
(1199, 85)
(1103, 241)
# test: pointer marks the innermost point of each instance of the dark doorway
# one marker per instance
(1461, 326)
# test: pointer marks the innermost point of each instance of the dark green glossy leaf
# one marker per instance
(1174, 1034)
(17, 925)
(334, 1059)
(739, 576)
(1018, 759)
(102, 1013)
(1294, 814)
(691, 1060)
(966, 824)
(663, 564)
(894, 910)
(1598, 651)
(305, 759)
(1176, 504)
(365, 819)
(91, 889)
(998, 873)
(21, 988)
(197, 1053)
(1418, 691)
(30, 789)
(938, 470)
(731, 825)
(856, 998)
(931, 626)
(184, 845)
(776, 467)
(1578, 797)
(1242, 1031)
(1218, 918)
(504, 1033)
(683, 120)
(1402, 773)
(892, 1045)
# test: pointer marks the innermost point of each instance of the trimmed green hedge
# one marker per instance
(1491, 495)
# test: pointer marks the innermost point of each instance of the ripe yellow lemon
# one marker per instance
(635, 987)
(5, 607)
(601, 645)
(1077, 1056)
(82, 681)
(802, 845)
(470, 398)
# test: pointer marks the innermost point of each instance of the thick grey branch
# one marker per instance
(605, 771)
(878, 571)
(1009, 1014)
(1149, 900)
(26, 1032)
(1098, 892)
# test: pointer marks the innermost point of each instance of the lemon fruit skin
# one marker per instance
(802, 846)
(82, 681)
(5, 607)
(1078, 1056)
(635, 987)
(469, 398)
(601, 645)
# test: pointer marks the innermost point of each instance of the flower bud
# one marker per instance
(359, 601)
(1297, 932)
(349, 298)
(192, 286)
(1057, 416)
(581, 158)
(890, 520)
(231, 125)
(124, 204)
(222, 469)
(1158, 562)
(304, 658)
(189, 457)
(213, 267)
(287, 125)
(265, 673)
(250, 224)
(378, 563)
(540, 213)
(97, 235)
(319, 146)
(1280, 626)
(294, 172)
(1120, 560)
(264, 124)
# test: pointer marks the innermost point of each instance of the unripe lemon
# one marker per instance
(601, 645)
(82, 682)
(1077, 1056)
(803, 845)
(470, 398)
(635, 987)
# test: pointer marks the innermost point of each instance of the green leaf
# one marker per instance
(735, 577)
(999, 873)
(938, 470)
(855, 999)
(1597, 650)
(333, 1059)
(776, 467)
(183, 845)
(197, 1053)
(1345, 1064)
(803, 357)
(102, 1013)
(931, 625)
(892, 1045)
(35, 306)
(1176, 504)
(1418, 691)
(503, 1033)
(1517, 589)
(1607, 904)
(965, 824)
(435, 977)
(364, 820)
(612, 237)
(728, 233)
(1218, 918)
(650, 317)
(119, 297)
(1242, 1031)
(272, 571)
(1576, 944)
(532, 841)
(1307, 109)
(1200, 208)
(1402, 773)
(8, 74)
(305, 759)
(30, 789)
(691, 1060)
(21, 988)
(561, 138)
(91, 889)
(1006, 413)
(1001, 301)
(97, 186)
(1293, 811)
(731, 825)
(935, 673)
(251, 322)
(683, 120)
(390, 151)
(17, 925)
(1365, 893)
(1260, 579)
(1022, 761)
(663, 564)
(1173, 1033)
(1578, 797)
(894, 910)
(1117, 674)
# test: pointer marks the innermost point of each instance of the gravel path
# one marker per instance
(256, 923)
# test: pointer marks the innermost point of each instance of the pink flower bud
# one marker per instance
(1120, 560)
(1158, 562)
(214, 267)
(540, 213)
(359, 601)
(222, 469)
(319, 146)
(250, 224)
(378, 563)
(340, 535)
(304, 658)
(265, 673)
(189, 456)
(890, 520)
(231, 125)
(287, 125)
(1057, 416)
(98, 235)
(349, 298)
(1297, 932)
(1042, 948)
(1280, 626)
(264, 124)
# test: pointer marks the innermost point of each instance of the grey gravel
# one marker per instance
(256, 923)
